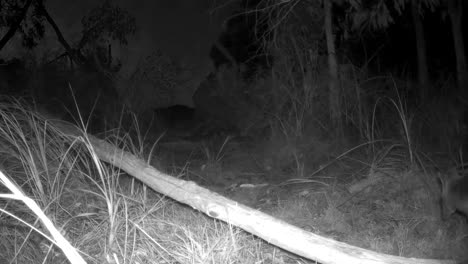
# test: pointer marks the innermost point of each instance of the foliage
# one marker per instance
(103, 23)
(380, 14)
(31, 29)
(108, 22)
(375, 15)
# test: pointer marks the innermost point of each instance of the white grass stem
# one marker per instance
(69, 251)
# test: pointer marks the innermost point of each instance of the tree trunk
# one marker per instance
(423, 72)
(333, 87)
(455, 10)
(14, 27)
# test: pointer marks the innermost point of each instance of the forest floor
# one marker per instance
(378, 201)
(382, 203)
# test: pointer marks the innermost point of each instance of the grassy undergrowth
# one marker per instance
(385, 201)
(84, 200)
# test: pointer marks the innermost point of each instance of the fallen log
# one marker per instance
(270, 229)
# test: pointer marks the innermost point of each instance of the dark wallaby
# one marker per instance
(454, 196)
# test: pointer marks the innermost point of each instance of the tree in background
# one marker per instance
(28, 17)
(377, 16)
(455, 11)
(103, 25)
(423, 71)
(17, 17)
(333, 82)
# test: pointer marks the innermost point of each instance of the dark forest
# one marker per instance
(246, 131)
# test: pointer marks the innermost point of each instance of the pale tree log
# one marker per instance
(270, 229)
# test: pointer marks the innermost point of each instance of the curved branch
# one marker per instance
(11, 32)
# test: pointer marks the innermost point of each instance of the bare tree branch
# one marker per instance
(14, 27)
(74, 55)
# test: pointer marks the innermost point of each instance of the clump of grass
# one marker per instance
(214, 154)
(39, 163)
(80, 196)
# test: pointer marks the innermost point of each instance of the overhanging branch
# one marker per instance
(14, 27)
(74, 55)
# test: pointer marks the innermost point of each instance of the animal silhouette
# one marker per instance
(454, 196)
